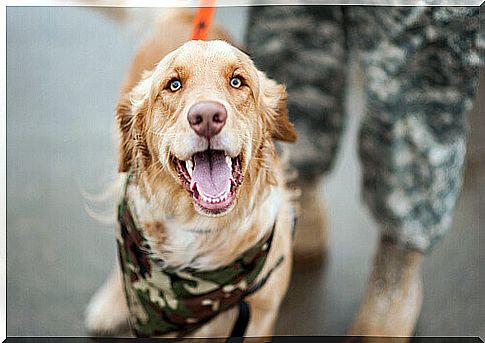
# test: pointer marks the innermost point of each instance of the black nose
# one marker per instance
(207, 118)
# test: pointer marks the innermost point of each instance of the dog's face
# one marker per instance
(201, 120)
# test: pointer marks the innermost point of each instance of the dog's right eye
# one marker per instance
(175, 85)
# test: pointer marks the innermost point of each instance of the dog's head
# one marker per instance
(200, 122)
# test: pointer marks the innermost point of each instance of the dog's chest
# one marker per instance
(163, 299)
(195, 244)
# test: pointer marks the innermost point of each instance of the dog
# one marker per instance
(205, 196)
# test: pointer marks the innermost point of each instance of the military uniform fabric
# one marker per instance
(421, 68)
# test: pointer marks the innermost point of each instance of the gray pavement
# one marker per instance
(64, 69)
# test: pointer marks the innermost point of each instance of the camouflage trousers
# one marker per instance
(421, 68)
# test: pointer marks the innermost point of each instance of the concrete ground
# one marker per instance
(64, 68)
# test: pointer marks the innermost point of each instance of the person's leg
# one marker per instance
(304, 48)
(422, 70)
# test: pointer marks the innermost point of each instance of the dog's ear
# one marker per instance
(273, 102)
(124, 118)
(131, 115)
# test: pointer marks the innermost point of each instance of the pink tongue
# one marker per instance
(211, 173)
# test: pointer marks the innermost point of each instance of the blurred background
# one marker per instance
(64, 69)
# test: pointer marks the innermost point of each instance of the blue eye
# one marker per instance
(175, 85)
(236, 82)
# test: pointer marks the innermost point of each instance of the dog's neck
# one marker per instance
(204, 242)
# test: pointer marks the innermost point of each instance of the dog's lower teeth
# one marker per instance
(214, 200)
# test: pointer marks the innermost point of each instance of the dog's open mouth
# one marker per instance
(213, 180)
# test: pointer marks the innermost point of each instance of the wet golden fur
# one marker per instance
(153, 127)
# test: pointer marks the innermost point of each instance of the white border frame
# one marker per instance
(130, 3)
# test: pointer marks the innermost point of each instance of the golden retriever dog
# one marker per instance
(204, 188)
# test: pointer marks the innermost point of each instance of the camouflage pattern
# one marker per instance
(421, 68)
(163, 299)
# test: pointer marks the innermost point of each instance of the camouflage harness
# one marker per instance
(163, 299)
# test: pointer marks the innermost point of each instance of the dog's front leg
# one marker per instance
(265, 303)
(107, 312)
(262, 323)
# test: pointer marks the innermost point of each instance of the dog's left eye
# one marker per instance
(236, 82)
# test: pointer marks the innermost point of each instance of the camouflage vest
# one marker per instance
(162, 299)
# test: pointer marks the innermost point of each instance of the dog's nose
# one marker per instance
(207, 118)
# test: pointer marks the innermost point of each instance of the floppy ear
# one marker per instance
(273, 103)
(124, 118)
(130, 114)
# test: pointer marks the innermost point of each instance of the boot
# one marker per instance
(392, 303)
(310, 245)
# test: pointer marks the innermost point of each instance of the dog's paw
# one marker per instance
(107, 312)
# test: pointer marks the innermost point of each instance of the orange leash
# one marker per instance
(203, 19)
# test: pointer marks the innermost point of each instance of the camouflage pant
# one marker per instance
(421, 66)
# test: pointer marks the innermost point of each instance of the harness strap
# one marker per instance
(242, 321)
(203, 19)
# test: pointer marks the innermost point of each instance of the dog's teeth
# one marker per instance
(211, 200)
(229, 161)
(189, 165)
